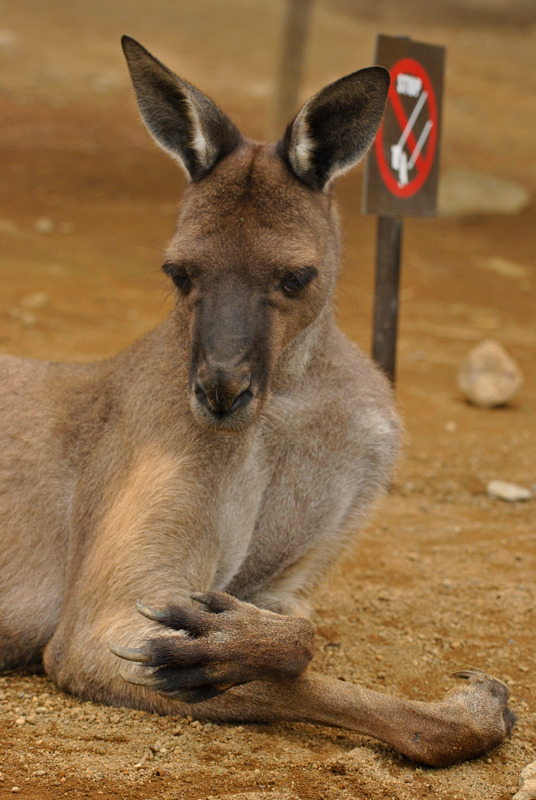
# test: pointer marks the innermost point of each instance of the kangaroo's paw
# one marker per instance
(222, 643)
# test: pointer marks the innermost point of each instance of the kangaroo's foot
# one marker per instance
(224, 643)
(476, 717)
(470, 720)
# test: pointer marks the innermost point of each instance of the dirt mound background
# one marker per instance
(444, 577)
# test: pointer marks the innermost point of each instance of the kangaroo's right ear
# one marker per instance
(335, 128)
(183, 121)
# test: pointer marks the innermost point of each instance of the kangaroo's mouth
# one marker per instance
(219, 406)
(219, 403)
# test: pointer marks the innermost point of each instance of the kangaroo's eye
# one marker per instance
(295, 282)
(179, 276)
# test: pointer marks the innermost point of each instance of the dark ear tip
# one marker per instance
(380, 75)
(129, 44)
(383, 74)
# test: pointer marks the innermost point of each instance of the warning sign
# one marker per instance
(406, 164)
(402, 168)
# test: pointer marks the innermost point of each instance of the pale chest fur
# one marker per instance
(290, 488)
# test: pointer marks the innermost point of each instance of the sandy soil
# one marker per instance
(444, 577)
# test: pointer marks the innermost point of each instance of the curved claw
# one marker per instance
(477, 676)
(215, 601)
(470, 674)
(155, 614)
(190, 696)
(147, 681)
(129, 653)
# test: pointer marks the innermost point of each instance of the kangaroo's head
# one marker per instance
(256, 251)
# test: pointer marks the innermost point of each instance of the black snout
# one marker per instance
(222, 394)
(229, 366)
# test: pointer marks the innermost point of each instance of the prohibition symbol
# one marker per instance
(405, 162)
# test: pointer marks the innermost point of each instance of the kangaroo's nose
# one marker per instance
(223, 389)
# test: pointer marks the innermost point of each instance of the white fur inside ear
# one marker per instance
(302, 150)
(199, 141)
(302, 146)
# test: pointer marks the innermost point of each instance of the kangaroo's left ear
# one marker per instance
(335, 128)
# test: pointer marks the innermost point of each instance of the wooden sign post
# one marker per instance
(401, 172)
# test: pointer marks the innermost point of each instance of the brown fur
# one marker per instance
(232, 452)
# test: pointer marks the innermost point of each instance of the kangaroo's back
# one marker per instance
(35, 488)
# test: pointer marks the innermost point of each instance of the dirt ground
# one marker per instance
(443, 578)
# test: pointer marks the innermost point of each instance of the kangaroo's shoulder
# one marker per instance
(362, 399)
(343, 402)
(344, 377)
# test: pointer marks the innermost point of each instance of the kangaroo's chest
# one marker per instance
(264, 510)
(249, 526)
(233, 508)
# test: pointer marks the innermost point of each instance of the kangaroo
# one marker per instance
(214, 470)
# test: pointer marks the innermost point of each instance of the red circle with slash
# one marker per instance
(423, 161)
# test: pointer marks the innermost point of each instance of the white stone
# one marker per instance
(35, 301)
(527, 783)
(511, 492)
(25, 317)
(489, 377)
(504, 267)
(44, 225)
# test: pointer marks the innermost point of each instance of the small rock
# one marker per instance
(35, 301)
(489, 377)
(20, 720)
(504, 267)
(11, 228)
(15, 790)
(26, 318)
(44, 225)
(527, 783)
(502, 490)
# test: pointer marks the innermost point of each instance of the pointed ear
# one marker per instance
(181, 118)
(335, 128)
